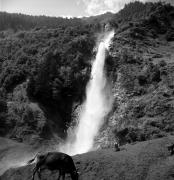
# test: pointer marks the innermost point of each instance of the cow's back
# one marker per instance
(58, 160)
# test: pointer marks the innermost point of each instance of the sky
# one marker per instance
(64, 8)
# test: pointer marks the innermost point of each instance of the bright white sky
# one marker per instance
(66, 8)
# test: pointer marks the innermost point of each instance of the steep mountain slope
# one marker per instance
(43, 72)
(141, 68)
(51, 67)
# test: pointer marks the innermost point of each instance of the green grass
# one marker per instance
(149, 160)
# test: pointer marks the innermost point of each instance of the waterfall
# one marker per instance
(97, 104)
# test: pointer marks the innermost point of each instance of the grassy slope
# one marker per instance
(12, 154)
(147, 160)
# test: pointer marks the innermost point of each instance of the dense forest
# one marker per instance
(45, 64)
(27, 22)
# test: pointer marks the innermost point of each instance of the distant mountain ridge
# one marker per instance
(27, 22)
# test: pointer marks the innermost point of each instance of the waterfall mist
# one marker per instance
(97, 105)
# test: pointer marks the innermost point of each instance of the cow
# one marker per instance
(54, 161)
(116, 146)
(171, 149)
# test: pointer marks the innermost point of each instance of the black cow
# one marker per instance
(116, 146)
(55, 161)
(171, 149)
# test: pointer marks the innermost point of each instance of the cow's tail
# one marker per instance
(31, 160)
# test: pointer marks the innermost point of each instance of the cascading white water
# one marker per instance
(96, 106)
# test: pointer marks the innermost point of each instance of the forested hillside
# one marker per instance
(26, 22)
(45, 64)
(141, 67)
(52, 65)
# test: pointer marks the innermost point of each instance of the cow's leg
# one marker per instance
(59, 175)
(39, 173)
(63, 175)
(34, 171)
